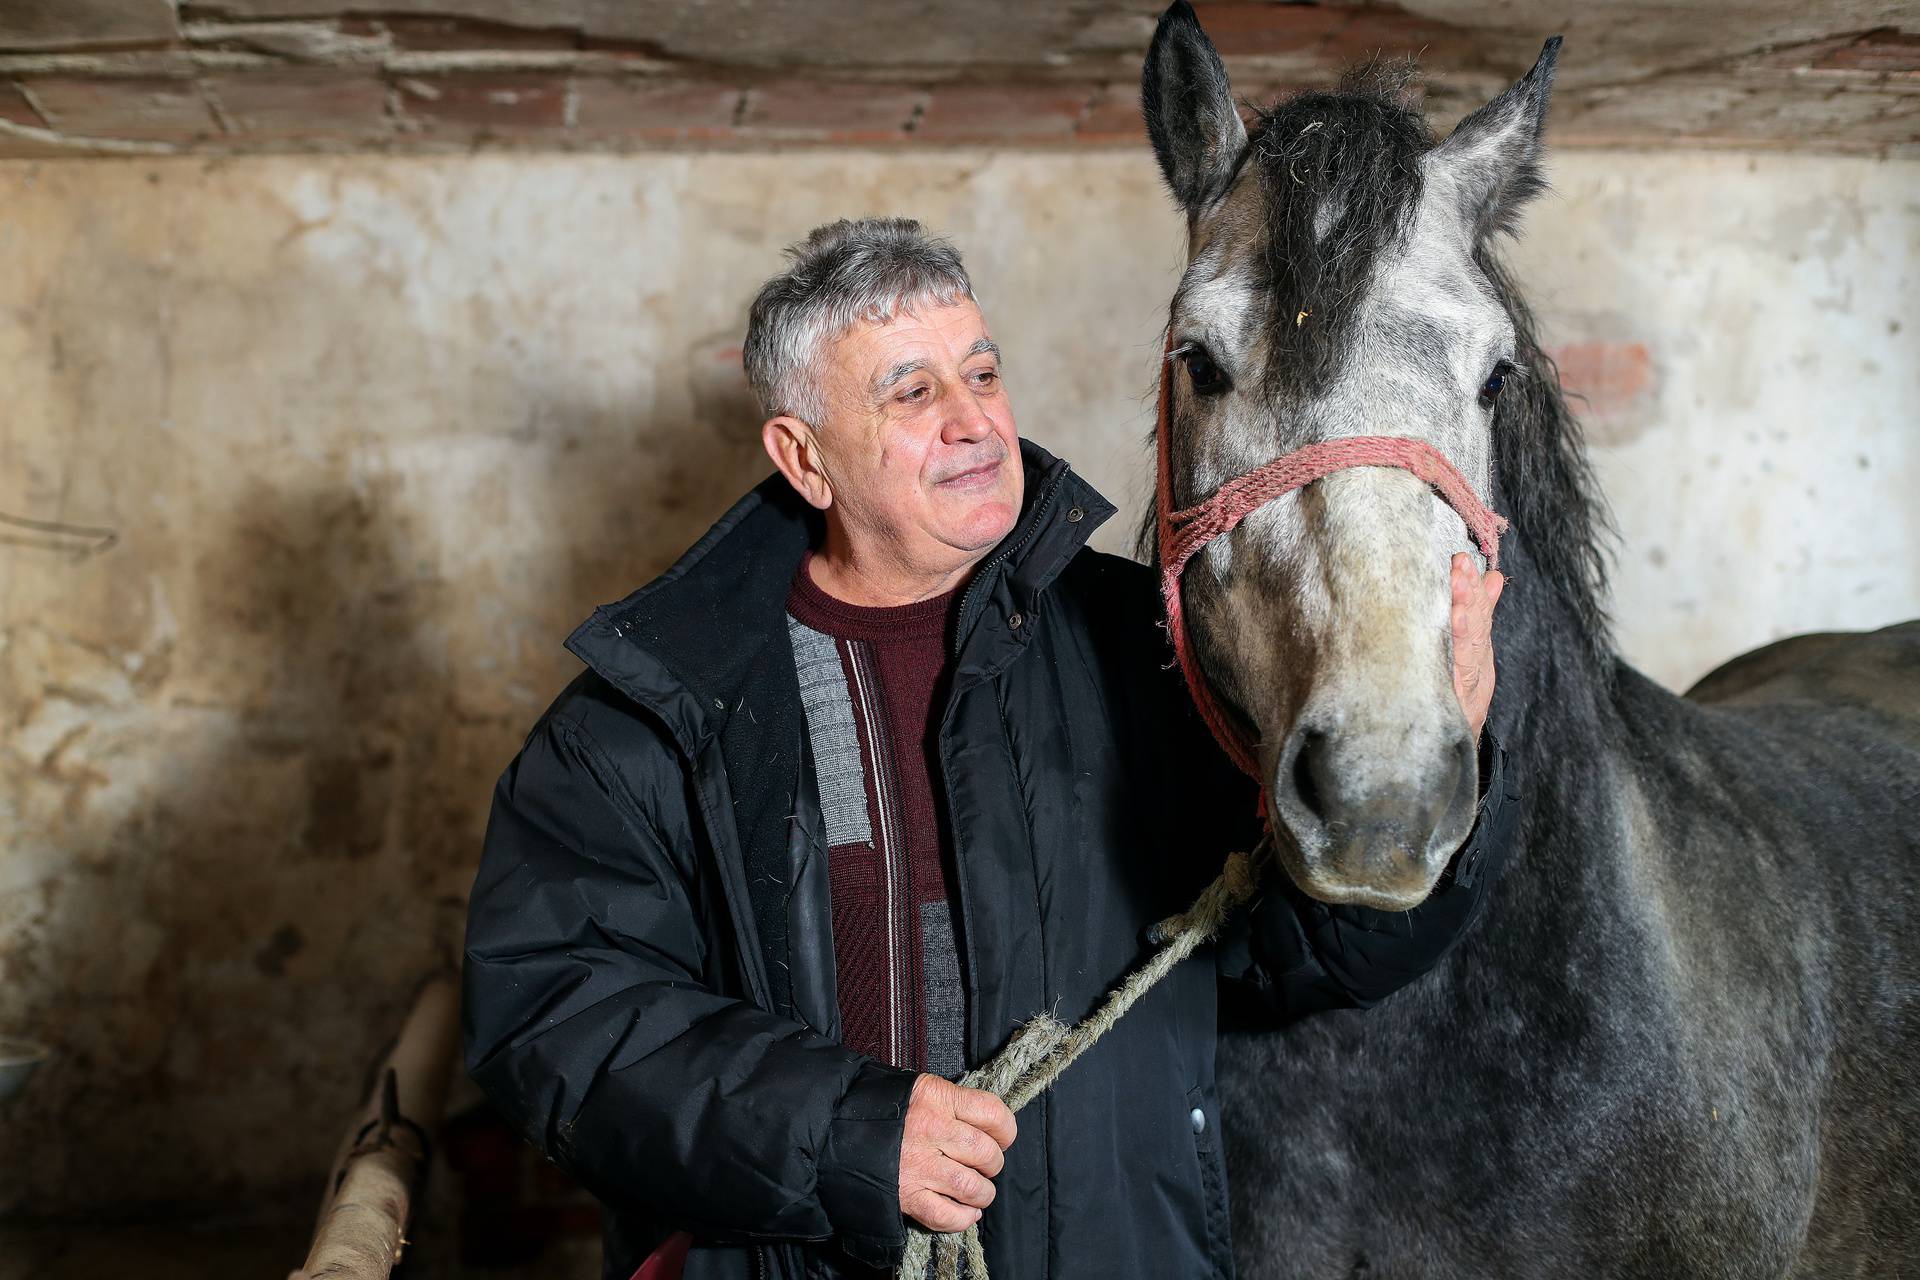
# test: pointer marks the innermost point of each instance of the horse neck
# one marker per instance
(1557, 712)
(1554, 694)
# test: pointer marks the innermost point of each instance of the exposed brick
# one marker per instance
(320, 43)
(1113, 116)
(1393, 32)
(1611, 376)
(303, 103)
(848, 111)
(1264, 94)
(15, 109)
(1331, 36)
(655, 110)
(1250, 30)
(1003, 113)
(432, 33)
(140, 108)
(489, 103)
(82, 24)
(1881, 52)
(1885, 52)
(1797, 57)
(15, 146)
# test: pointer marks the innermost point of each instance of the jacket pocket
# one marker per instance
(1203, 1120)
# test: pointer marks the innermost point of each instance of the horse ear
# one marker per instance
(1196, 131)
(1494, 154)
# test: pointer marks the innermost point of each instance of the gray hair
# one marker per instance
(845, 273)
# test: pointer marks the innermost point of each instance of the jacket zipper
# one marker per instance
(1006, 552)
(1041, 508)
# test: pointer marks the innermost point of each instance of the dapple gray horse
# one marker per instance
(1684, 1039)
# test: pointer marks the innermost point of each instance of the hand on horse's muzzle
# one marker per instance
(1474, 596)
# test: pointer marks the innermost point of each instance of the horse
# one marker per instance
(1683, 1037)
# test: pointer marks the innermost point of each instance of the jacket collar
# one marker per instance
(690, 644)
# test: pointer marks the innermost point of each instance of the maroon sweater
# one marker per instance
(869, 678)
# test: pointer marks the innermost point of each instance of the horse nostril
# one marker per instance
(1308, 765)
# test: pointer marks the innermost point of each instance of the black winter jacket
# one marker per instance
(649, 961)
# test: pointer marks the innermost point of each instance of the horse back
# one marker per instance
(1876, 672)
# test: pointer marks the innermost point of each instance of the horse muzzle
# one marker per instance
(1373, 818)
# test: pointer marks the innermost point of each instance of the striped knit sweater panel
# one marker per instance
(868, 680)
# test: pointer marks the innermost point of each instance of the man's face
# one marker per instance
(919, 443)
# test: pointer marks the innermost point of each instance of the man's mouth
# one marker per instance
(973, 476)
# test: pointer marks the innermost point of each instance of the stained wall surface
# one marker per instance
(371, 434)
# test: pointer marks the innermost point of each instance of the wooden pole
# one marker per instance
(362, 1223)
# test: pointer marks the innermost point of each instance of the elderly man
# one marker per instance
(887, 763)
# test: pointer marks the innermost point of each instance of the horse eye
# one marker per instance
(1490, 390)
(1208, 379)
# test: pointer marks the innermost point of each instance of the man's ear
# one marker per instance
(1196, 131)
(1493, 156)
(796, 455)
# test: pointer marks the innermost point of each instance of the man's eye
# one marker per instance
(987, 377)
(913, 395)
(1208, 378)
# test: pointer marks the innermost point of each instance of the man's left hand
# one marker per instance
(1474, 596)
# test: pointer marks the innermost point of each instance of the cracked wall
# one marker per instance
(308, 465)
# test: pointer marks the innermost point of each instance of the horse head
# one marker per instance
(1336, 287)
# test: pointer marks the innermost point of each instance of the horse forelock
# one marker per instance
(1340, 176)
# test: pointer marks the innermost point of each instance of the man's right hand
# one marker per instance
(951, 1152)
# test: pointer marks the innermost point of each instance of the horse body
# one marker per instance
(1683, 1043)
(1684, 1039)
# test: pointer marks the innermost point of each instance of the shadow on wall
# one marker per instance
(301, 784)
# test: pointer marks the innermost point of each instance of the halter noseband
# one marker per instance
(1183, 533)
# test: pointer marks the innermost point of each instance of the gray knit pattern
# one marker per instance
(946, 997)
(836, 741)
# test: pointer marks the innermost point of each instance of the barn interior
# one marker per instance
(351, 354)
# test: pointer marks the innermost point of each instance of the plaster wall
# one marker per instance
(371, 434)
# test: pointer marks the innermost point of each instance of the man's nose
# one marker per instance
(967, 420)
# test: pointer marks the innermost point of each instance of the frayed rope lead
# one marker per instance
(1039, 1051)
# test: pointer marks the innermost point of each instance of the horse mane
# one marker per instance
(1544, 482)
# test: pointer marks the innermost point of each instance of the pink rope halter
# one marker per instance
(1183, 533)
